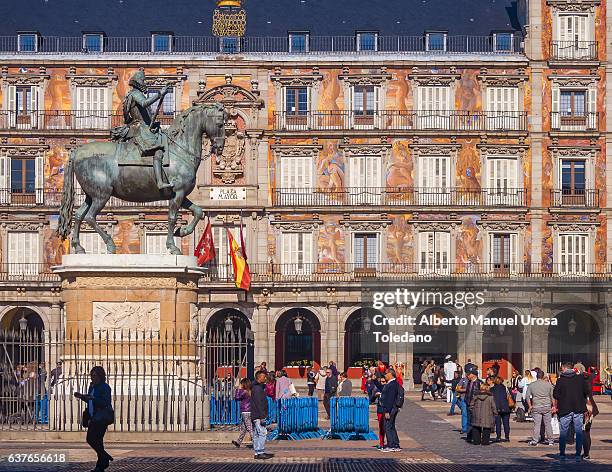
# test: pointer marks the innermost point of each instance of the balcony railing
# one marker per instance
(401, 196)
(348, 272)
(574, 50)
(420, 120)
(269, 45)
(53, 198)
(581, 198)
(27, 272)
(568, 121)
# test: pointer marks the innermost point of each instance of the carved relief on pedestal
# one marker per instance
(127, 316)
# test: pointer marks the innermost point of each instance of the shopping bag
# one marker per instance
(555, 424)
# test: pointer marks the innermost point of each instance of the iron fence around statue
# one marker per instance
(161, 382)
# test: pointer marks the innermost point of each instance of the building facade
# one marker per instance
(457, 152)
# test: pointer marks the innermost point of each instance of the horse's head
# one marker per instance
(214, 126)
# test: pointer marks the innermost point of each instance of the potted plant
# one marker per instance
(297, 369)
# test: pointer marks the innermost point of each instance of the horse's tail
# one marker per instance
(65, 216)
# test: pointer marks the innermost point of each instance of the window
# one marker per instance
(91, 108)
(367, 41)
(298, 42)
(502, 107)
(161, 42)
(296, 105)
(296, 182)
(296, 253)
(23, 253)
(168, 106)
(434, 180)
(155, 244)
(23, 106)
(92, 243)
(503, 252)
(230, 44)
(435, 41)
(433, 107)
(365, 180)
(573, 254)
(365, 251)
(21, 179)
(574, 37)
(93, 42)
(502, 42)
(434, 252)
(573, 109)
(223, 262)
(27, 42)
(573, 182)
(364, 104)
(502, 181)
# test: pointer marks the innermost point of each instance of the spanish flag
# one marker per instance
(242, 276)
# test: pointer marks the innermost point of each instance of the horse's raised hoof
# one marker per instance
(175, 251)
(78, 249)
(182, 231)
(111, 248)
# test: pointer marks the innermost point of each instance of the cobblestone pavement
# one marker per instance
(430, 442)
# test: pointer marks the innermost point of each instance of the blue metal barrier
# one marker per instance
(350, 418)
(226, 411)
(41, 409)
(298, 419)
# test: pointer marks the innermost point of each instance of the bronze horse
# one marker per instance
(97, 169)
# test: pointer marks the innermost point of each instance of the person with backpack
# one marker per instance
(392, 399)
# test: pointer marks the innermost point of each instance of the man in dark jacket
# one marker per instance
(389, 398)
(571, 392)
(331, 387)
(471, 390)
(259, 413)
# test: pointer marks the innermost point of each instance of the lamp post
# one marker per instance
(571, 326)
(228, 324)
(298, 323)
(367, 324)
(23, 324)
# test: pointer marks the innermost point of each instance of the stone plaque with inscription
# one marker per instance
(228, 193)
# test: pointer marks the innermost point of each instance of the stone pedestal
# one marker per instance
(129, 292)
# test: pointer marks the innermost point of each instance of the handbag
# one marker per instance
(85, 418)
(105, 416)
(554, 422)
(511, 402)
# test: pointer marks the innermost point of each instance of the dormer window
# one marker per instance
(435, 40)
(298, 41)
(93, 42)
(230, 44)
(503, 42)
(27, 42)
(161, 42)
(367, 41)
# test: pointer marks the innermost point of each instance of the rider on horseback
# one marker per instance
(141, 126)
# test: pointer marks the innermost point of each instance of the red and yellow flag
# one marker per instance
(242, 276)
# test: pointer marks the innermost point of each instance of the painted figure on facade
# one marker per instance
(122, 169)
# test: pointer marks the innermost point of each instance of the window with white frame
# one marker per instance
(93, 243)
(435, 41)
(503, 42)
(364, 105)
(502, 107)
(503, 252)
(365, 250)
(27, 42)
(23, 253)
(298, 41)
(434, 252)
(433, 107)
(155, 243)
(161, 42)
(572, 182)
(573, 250)
(367, 41)
(434, 180)
(93, 42)
(22, 106)
(574, 108)
(365, 179)
(229, 44)
(573, 36)
(296, 106)
(22, 179)
(502, 180)
(296, 253)
(92, 108)
(296, 179)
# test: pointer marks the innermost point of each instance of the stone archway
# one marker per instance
(10, 320)
(576, 338)
(503, 342)
(359, 343)
(291, 346)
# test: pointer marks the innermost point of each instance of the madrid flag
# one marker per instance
(242, 276)
(205, 250)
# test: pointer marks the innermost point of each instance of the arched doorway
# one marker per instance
(502, 343)
(229, 348)
(298, 339)
(443, 340)
(13, 321)
(360, 343)
(574, 339)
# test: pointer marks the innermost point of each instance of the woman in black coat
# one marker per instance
(502, 403)
(99, 413)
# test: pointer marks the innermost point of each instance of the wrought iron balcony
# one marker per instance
(400, 196)
(26, 272)
(570, 121)
(269, 45)
(577, 198)
(574, 51)
(418, 120)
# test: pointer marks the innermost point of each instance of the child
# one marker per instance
(243, 395)
(483, 411)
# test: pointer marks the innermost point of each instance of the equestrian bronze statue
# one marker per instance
(131, 167)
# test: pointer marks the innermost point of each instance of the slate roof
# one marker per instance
(264, 17)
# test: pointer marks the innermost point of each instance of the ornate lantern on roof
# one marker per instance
(229, 19)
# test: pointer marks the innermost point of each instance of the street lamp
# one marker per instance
(228, 324)
(298, 323)
(501, 329)
(23, 323)
(367, 324)
(571, 326)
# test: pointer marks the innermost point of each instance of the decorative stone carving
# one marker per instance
(126, 316)
(166, 79)
(578, 226)
(365, 225)
(23, 225)
(502, 149)
(365, 149)
(229, 164)
(86, 80)
(574, 80)
(435, 149)
(313, 80)
(296, 151)
(574, 5)
(24, 79)
(26, 150)
(137, 281)
(436, 225)
(365, 79)
(565, 151)
(502, 80)
(296, 225)
(503, 225)
(430, 79)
